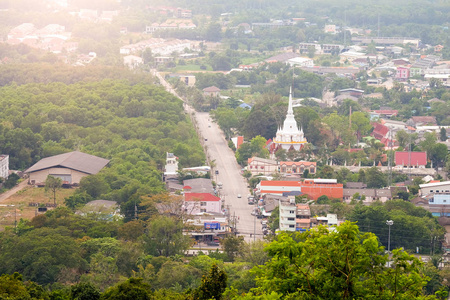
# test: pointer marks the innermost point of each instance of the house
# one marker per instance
(70, 167)
(381, 113)
(297, 167)
(201, 203)
(414, 159)
(103, 209)
(423, 120)
(370, 195)
(352, 92)
(132, 61)
(4, 166)
(211, 91)
(257, 165)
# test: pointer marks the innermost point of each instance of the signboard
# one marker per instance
(212, 225)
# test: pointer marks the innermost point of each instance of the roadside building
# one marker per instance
(201, 203)
(257, 165)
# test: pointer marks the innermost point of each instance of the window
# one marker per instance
(251, 167)
(445, 201)
(202, 210)
(431, 191)
(291, 226)
(312, 170)
(437, 191)
(291, 219)
(262, 167)
(202, 203)
(292, 212)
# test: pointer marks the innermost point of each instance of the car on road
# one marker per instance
(217, 172)
(239, 196)
(206, 140)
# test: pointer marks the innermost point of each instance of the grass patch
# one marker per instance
(20, 200)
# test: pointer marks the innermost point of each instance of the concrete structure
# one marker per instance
(435, 187)
(297, 167)
(257, 165)
(171, 166)
(70, 167)
(289, 136)
(402, 73)
(201, 203)
(4, 166)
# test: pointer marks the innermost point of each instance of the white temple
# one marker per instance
(289, 135)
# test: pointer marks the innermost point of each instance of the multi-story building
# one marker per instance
(288, 215)
(4, 166)
(257, 165)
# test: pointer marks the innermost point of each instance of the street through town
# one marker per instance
(229, 172)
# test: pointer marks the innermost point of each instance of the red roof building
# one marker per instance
(200, 203)
(403, 159)
(314, 189)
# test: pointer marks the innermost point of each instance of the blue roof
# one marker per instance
(245, 105)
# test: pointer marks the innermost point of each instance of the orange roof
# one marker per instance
(279, 183)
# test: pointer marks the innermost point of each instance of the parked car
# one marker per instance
(217, 171)
(239, 196)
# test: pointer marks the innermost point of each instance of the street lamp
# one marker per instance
(389, 223)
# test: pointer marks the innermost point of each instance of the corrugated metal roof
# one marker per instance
(75, 160)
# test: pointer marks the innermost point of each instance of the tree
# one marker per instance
(443, 134)
(53, 184)
(165, 237)
(213, 285)
(132, 289)
(341, 264)
(375, 178)
(84, 291)
(232, 246)
(438, 154)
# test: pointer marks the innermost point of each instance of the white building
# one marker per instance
(171, 167)
(300, 62)
(288, 213)
(132, 61)
(4, 166)
(435, 187)
(289, 135)
(201, 203)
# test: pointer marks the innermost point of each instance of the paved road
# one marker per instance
(230, 176)
(216, 148)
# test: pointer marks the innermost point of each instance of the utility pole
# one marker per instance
(254, 228)
(389, 223)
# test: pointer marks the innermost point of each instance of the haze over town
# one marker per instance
(193, 149)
